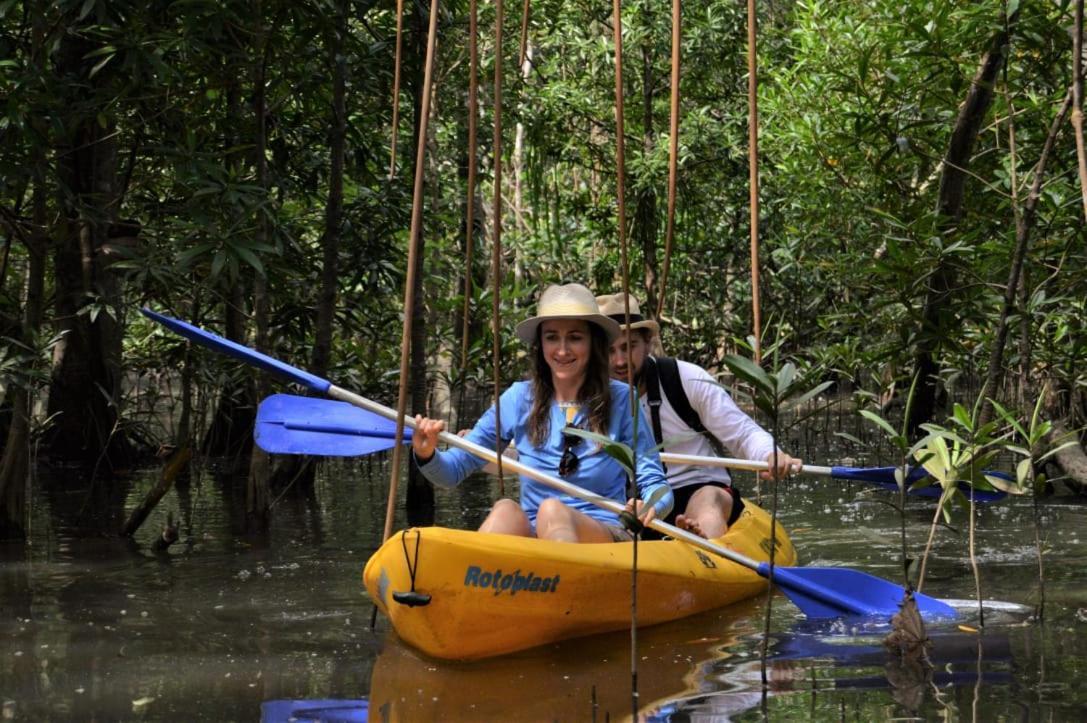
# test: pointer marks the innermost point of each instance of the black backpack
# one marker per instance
(662, 372)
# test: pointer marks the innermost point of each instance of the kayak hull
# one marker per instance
(493, 594)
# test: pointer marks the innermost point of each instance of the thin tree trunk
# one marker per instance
(257, 496)
(15, 460)
(229, 434)
(85, 381)
(1024, 225)
(645, 204)
(330, 243)
(1077, 105)
(938, 313)
(419, 494)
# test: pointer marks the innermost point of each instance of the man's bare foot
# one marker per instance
(686, 523)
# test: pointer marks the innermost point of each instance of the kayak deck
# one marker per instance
(494, 594)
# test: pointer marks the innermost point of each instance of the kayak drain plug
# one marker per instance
(412, 599)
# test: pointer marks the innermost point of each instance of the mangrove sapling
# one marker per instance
(899, 439)
(1029, 442)
(952, 458)
(773, 393)
(908, 636)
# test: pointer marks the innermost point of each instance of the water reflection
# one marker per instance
(587, 679)
(94, 627)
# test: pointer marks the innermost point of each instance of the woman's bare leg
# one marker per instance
(507, 518)
(556, 521)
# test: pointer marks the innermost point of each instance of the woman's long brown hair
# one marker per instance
(595, 392)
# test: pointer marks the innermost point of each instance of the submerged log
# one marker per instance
(169, 473)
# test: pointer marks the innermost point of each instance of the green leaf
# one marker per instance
(850, 437)
(249, 257)
(808, 395)
(1010, 487)
(217, 263)
(880, 422)
(785, 378)
(962, 416)
(750, 372)
(1022, 472)
(100, 64)
(618, 451)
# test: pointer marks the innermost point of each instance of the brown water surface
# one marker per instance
(98, 628)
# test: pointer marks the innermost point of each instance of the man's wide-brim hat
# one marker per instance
(569, 301)
(612, 306)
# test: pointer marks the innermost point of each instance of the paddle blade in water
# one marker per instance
(885, 478)
(288, 424)
(830, 592)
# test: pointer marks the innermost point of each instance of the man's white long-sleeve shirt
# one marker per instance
(720, 416)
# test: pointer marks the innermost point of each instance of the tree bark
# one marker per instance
(938, 313)
(15, 460)
(330, 242)
(84, 389)
(257, 496)
(420, 493)
(645, 204)
(229, 434)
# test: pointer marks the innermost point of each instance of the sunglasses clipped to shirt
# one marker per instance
(569, 462)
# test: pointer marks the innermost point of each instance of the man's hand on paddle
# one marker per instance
(787, 466)
(424, 441)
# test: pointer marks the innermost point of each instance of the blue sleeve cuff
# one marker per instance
(664, 505)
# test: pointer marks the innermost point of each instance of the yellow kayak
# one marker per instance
(489, 594)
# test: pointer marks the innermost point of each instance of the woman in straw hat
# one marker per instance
(567, 386)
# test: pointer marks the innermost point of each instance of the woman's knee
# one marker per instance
(506, 517)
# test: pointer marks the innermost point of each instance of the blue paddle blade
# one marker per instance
(239, 352)
(885, 477)
(831, 592)
(314, 711)
(288, 424)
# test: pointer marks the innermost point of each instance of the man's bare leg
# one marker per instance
(707, 512)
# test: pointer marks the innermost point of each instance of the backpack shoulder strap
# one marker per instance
(668, 371)
(653, 396)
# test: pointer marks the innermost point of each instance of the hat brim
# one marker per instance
(526, 330)
(653, 326)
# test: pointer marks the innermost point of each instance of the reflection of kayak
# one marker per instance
(314, 711)
(577, 680)
(494, 594)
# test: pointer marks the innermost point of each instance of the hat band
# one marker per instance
(622, 318)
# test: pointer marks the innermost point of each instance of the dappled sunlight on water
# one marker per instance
(102, 628)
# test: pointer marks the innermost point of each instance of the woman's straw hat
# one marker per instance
(612, 306)
(569, 301)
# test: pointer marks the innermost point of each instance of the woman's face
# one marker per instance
(566, 345)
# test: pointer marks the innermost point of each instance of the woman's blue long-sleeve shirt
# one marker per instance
(596, 472)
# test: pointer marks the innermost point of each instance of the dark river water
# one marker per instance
(227, 626)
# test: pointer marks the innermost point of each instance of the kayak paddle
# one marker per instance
(880, 476)
(290, 424)
(818, 592)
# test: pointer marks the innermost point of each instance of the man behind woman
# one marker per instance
(568, 385)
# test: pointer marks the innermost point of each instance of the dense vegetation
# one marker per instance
(229, 163)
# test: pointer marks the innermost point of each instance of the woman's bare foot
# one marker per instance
(691, 525)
